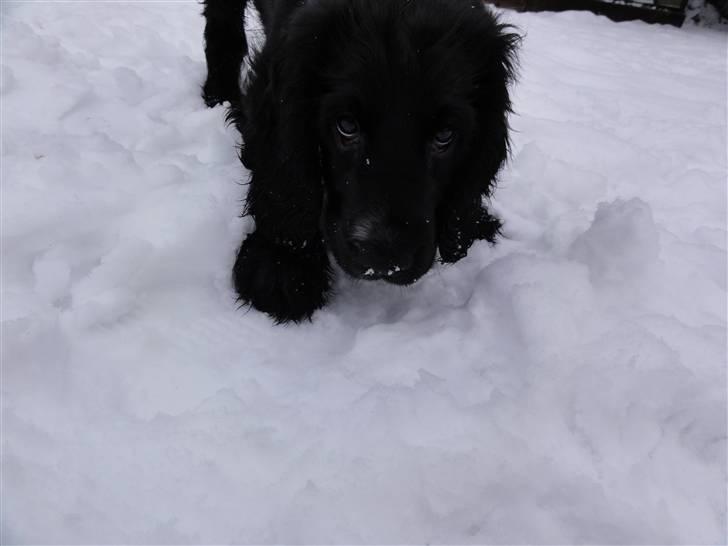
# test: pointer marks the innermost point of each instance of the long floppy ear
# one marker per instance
(463, 218)
(282, 268)
(281, 149)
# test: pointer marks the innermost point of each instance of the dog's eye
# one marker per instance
(443, 139)
(347, 127)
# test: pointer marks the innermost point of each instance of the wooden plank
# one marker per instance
(615, 12)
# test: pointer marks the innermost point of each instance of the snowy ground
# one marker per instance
(567, 386)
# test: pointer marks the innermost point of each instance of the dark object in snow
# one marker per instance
(671, 12)
(372, 129)
(721, 6)
(711, 13)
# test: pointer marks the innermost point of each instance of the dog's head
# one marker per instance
(399, 108)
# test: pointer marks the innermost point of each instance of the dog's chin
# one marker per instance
(357, 268)
(393, 275)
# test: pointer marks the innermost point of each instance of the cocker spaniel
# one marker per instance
(372, 129)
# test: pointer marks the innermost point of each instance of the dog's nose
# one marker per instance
(382, 256)
(381, 246)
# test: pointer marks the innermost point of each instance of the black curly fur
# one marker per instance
(287, 283)
(314, 51)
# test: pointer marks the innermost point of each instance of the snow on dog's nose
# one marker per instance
(379, 247)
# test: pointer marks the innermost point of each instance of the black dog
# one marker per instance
(373, 129)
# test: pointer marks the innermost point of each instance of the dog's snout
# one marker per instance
(381, 248)
(382, 256)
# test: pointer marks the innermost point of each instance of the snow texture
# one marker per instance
(566, 386)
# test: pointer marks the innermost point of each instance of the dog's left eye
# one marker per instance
(348, 127)
(443, 139)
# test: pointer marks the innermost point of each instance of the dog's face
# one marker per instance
(397, 120)
(391, 147)
(402, 106)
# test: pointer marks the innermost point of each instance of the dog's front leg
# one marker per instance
(225, 48)
(286, 278)
(282, 268)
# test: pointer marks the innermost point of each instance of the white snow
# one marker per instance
(566, 386)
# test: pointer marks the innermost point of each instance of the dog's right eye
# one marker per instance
(443, 139)
(348, 128)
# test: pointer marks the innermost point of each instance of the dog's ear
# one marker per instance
(462, 215)
(280, 146)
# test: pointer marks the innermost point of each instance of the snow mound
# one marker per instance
(565, 386)
(622, 242)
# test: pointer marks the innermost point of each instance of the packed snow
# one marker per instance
(565, 386)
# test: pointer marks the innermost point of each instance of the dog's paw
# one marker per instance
(215, 92)
(286, 283)
(462, 230)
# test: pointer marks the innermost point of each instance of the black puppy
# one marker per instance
(373, 129)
